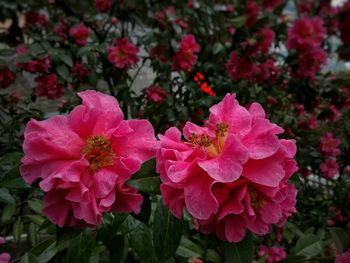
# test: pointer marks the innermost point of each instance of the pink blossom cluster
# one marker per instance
(245, 66)
(82, 161)
(329, 148)
(186, 57)
(123, 54)
(306, 37)
(272, 254)
(155, 94)
(232, 174)
(47, 83)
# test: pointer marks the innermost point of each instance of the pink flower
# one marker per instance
(240, 68)
(306, 33)
(156, 94)
(251, 12)
(7, 78)
(345, 258)
(311, 62)
(79, 71)
(80, 33)
(273, 254)
(83, 160)
(186, 57)
(232, 174)
(329, 144)
(271, 5)
(230, 8)
(103, 5)
(4, 257)
(123, 54)
(329, 168)
(48, 86)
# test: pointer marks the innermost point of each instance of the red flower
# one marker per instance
(158, 53)
(273, 254)
(49, 87)
(123, 54)
(310, 62)
(306, 33)
(7, 77)
(268, 73)
(103, 5)
(251, 12)
(271, 5)
(156, 94)
(186, 57)
(80, 33)
(241, 68)
(79, 71)
(34, 66)
(329, 144)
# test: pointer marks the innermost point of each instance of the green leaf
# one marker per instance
(295, 259)
(309, 245)
(80, 248)
(23, 58)
(36, 205)
(67, 60)
(238, 21)
(36, 219)
(217, 48)
(241, 252)
(62, 71)
(149, 184)
(341, 237)
(8, 212)
(167, 231)
(189, 249)
(17, 230)
(141, 241)
(29, 258)
(6, 197)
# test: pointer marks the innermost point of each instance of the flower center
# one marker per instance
(98, 151)
(255, 200)
(213, 147)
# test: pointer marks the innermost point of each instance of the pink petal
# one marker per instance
(104, 182)
(174, 198)
(227, 166)
(199, 198)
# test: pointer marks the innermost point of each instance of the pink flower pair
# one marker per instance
(232, 174)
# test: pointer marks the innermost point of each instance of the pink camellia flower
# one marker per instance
(345, 258)
(186, 57)
(329, 168)
(261, 42)
(273, 254)
(156, 94)
(7, 77)
(123, 54)
(103, 5)
(311, 62)
(232, 174)
(83, 160)
(48, 86)
(271, 5)
(241, 67)
(79, 71)
(329, 144)
(306, 33)
(4, 257)
(80, 33)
